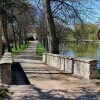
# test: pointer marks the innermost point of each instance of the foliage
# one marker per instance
(17, 16)
(40, 49)
(3, 90)
(61, 14)
(86, 31)
(84, 49)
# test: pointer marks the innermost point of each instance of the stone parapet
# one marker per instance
(86, 68)
(5, 68)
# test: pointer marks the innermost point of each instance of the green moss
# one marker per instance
(40, 49)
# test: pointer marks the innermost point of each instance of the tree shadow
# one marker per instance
(88, 94)
(39, 73)
(5, 97)
(59, 94)
(18, 75)
(29, 56)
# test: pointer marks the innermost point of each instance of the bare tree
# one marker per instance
(52, 38)
(0, 39)
(68, 12)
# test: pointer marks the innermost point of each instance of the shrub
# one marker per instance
(3, 90)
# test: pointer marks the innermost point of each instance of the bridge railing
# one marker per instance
(5, 68)
(77, 66)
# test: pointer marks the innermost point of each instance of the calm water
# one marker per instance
(82, 50)
(91, 55)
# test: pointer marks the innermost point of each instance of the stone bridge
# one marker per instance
(52, 78)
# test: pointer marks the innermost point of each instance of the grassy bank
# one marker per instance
(40, 49)
(98, 73)
(19, 50)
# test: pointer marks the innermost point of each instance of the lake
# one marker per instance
(86, 50)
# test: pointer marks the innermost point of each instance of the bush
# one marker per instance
(3, 90)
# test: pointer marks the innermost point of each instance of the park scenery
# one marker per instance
(49, 50)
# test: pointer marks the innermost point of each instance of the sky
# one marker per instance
(94, 11)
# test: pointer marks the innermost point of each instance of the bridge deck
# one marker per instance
(48, 83)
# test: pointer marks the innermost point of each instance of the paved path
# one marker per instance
(48, 83)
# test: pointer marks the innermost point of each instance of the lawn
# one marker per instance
(40, 49)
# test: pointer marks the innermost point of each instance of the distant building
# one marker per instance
(32, 32)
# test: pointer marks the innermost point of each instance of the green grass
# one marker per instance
(19, 50)
(98, 73)
(40, 49)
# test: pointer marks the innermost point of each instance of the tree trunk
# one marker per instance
(52, 38)
(19, 40)
(25, 37)
(19, 36)
(0, 39)
(46, 45)
(5, 31)
(4, 22)
(15, 41)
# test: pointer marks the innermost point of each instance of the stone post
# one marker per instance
(44, 58)
(93, 69)
(85, 68)
(6, 77)
(5, 66)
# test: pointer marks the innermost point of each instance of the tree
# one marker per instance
(0, 39)
(89, 31)
(24, 17)
(68, 12)
(17, 15)
(5, 9)
(53, 40)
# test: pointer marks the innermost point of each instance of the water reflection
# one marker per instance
(70, 53)
(97, 54)
(97, 57)
(83, 50)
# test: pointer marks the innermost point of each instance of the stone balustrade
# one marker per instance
(5, 68)
(77, 66)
